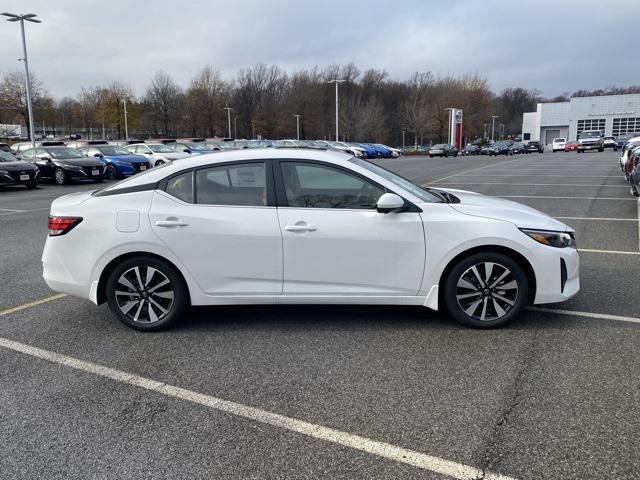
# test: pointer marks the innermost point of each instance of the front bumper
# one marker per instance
(557, 274)
(590, 146)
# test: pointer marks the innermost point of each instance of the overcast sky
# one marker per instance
(554, 46)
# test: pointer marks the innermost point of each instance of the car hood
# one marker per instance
(127, 158)
(173, 156)
(79, 162)
(522, 216)
(17, 165)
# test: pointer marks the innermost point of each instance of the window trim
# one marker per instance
(281, 194)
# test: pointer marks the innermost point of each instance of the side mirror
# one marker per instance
(390, 203)
(45, 158)
(186, 150)
(98, 155)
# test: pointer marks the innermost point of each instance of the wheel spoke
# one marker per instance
(473, 307)
(122, 280)
(168, 294)
(128, 306)
(464, 284)
(138, 278)
(499, 310)
(137, 315)
(161, 284)
(475, 272)
(488, 270)
(149, 275)
(468, 295)
(504, 299)
(508, 286)
(158, 306)
(127, 294)
(500, 278)
(484, 308)
(152, 314)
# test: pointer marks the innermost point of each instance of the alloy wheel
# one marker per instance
(487, 291)
(144, 294)
(60, 176)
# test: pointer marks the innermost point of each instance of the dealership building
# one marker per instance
(612, 114)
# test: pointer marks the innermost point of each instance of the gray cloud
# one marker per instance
(553, 46)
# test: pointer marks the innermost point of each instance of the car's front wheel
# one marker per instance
(111, 172)
(146, 293)
(486, 290)
(60, 176)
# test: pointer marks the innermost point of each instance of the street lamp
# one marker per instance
(493, 126)
(29, 17)
(235, 126)
(126, 125)
(337, 82)
(403, 140)
(297, 126)
(228, 109)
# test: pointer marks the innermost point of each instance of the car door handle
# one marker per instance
(170, 223)
(300, 228)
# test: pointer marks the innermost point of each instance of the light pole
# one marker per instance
(29, 17)
(126, 125)
(493, 126)
(235, 126)
(403, 140)
(337, 82)
(228, 109)
(297, 126)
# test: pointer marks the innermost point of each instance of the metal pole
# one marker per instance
(402, 140)
(235, 126)
(228, 109)
(28, 79)
(297, 126)
(126, 125)
(337, 113)
(493, 126)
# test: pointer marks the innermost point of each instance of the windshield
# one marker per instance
(113, 150)
(590, 135)
(7, 157)
(397, 180)
(161, 148)
(64, 153)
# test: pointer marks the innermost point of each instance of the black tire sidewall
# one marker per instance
(111, 172)
(65, 178)
(180, 292)
(451, 281)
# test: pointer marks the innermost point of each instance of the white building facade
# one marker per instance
(612, 114)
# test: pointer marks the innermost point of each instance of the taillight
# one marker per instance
(61, 225)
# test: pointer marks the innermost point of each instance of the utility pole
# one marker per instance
(297, 126)
(235, 126)
(493, 126)
(403, 140)
(126, 124)
(337, 82)
(29, 17)
(228, 109)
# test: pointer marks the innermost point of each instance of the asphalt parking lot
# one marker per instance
(336, 392)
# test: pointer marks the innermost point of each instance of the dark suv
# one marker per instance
(534, 146)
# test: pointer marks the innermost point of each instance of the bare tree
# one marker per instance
(164, 100)
(13, 95)
(206, 98)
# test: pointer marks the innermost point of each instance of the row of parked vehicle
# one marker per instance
(23, 164)
(630, 162)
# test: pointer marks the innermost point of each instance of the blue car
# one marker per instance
(119, 162)
(380, 150)
(369, 151)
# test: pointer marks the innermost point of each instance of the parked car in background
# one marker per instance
(156, 153)
(124, 143)
(64, 164)
(502, 147)
(590, 140)
(610, 142)
(535, 146)
(20, 146)
(634, 179)
(208, 239)
(160, 140)
(381, 151)
(14, 171)
(5, 148)
(557, 144)
(571, 146)
(369, 151)
(193, 148)
(470, 150)
(119, 162)
(622, 139)
(517, 147)
(631, 144)
(443, 150)
(395, 152)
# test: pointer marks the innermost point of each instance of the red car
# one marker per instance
(570, 146)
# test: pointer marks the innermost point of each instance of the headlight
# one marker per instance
(3, 173)
(552, 239)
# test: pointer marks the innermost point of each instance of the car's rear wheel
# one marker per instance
(146, 293)
(158, 162)
(486, 290)
(60, 176)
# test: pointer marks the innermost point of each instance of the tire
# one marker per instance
(499, 306)
(162, 287)
(111, 172)
(60, 176)
(31, 185)
(158, 162)
(601, 149)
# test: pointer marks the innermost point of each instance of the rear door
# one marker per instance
(221, 222)
(334, 240)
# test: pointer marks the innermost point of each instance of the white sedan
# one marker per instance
(304, 227)
(156, 153)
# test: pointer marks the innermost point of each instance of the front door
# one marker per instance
(219, 223)
(334, 240)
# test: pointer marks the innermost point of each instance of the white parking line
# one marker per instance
(24, 306)
(537, 184)
(612, 252)
(599, 219)
(601, 316)
(420, 460)
(24, 211)
(568, 198)
(538, 175)
(12, 210)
